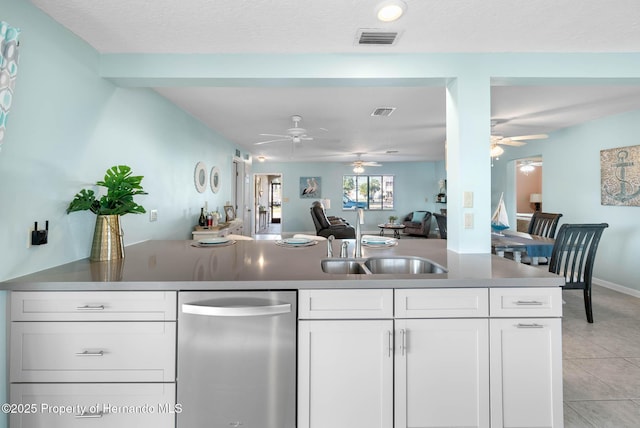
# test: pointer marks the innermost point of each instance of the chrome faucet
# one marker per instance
(343, 249)
(330, 239)
(359, 222)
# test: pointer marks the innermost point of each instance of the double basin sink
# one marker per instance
(381, 265)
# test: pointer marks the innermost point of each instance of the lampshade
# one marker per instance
(326, 203)
(535, 198)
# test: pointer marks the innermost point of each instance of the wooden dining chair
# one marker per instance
(573, 255)
(543, 224)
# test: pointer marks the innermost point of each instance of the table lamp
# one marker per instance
(536, 199)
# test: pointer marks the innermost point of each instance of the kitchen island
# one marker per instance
(479, 345)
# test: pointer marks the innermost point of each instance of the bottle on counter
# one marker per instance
(210, 219)
(202, 221)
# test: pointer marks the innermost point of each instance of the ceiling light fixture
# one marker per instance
(358, 169)
(496, 151)
(261, 158)
(527, 168)
(390, 10)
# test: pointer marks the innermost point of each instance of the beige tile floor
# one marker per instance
(601, 361)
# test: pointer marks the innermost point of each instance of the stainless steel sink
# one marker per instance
(343, 266)
(402, 264)
(381, 265)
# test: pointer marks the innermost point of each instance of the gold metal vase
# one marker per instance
(107, 239)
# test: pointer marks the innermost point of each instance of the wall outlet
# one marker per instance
(153, 215)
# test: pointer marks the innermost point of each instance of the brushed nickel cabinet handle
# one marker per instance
(529, 303)
(533, 325)
(90, 354)
(90, 308)
(87, 415)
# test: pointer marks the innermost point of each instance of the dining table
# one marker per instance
(518, 243)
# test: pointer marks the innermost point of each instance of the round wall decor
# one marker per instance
(200, 177)
(215, 179)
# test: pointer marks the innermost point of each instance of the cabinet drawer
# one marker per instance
(525, 302)
(92, 352)
(93, 306)
(442, 303)
(106, 405)
(345, 304)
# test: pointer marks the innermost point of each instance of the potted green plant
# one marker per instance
(392, 219)
(121, 186)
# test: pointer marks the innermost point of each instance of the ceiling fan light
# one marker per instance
(496, 151)
(391, 10)
(527, 168)
(358, 169)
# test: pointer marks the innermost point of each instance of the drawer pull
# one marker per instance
(90, 354)
(90, 308)
(528, 303)
(85, 415)
(534, 325)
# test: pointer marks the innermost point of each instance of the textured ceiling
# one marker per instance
(340, 118)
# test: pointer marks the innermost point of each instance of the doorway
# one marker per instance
(528, 190)
(268, 197)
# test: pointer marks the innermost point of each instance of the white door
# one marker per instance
(526, 372)
(442, 373)
(345, 374)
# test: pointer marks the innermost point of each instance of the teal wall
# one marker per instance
(414, 182)
(571, 186)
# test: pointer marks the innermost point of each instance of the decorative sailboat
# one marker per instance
(499, 220)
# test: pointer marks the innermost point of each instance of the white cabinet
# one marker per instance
(113, 350)
(345, 374)
(441, 373)
(526, 373)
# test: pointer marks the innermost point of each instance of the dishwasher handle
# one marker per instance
(236, 311)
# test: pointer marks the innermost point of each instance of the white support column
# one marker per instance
(468, 164)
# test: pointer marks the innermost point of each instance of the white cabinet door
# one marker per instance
(442, 373)
(526, 373)
(345, 374)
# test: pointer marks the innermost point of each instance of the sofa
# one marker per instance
(417, 223)
(326, 226)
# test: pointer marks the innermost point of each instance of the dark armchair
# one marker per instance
(326, 226)
(417, 223)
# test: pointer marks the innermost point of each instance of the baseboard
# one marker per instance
(616, 287)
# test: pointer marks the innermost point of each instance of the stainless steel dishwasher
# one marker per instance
(237, 359)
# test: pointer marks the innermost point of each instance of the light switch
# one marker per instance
(153, 215)
(467, 200)
(468, 220)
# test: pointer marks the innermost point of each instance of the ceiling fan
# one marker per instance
(359, 164)
(517, 141)
(295, 134)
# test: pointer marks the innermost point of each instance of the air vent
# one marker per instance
(383, 111)
(376, 37)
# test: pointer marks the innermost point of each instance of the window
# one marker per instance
(371, 192)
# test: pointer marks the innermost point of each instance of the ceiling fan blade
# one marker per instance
(510, 142)
(371, 164)
(274, 135)
(529, 137)
(272, 141)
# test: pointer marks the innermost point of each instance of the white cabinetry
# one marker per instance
(442, 364)
(526, 359)
(97, 355)
(345, 364)
(473, 357)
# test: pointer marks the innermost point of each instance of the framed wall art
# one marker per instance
(620, 176)
(200, 177)
(310, 187)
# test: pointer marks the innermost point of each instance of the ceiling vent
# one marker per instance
(383, 111)
(376, 37)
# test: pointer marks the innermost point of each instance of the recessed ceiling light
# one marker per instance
(390, 10)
